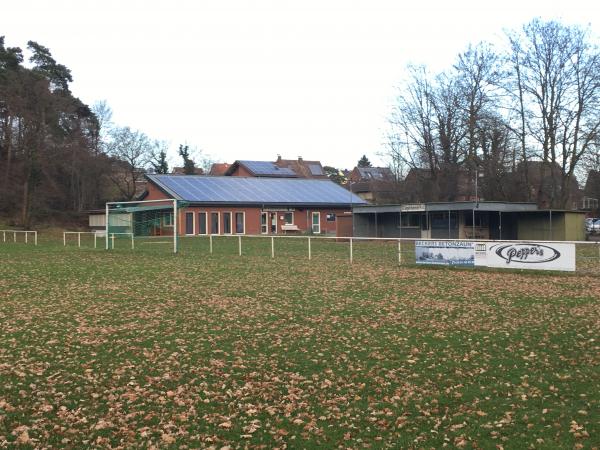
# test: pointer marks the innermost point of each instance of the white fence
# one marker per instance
(78, 234)
(400, 251)
(15, 233)
(97, 235)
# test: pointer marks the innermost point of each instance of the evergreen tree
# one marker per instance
(189, 166)
(159, 163)
(364, 162)
(334, 174)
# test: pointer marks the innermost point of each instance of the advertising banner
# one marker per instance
(519, 255)
(445, 253)
(503, 255)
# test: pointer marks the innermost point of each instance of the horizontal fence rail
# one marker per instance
(26, 233)
(79, 233)
(397, 251)
(112, 238)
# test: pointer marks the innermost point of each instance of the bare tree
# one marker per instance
(528, 118)
(412, 134)
(103, 114)
(131, 151)
(476, 78)
(559, 81)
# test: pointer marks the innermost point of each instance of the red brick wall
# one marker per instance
(252, 217)
(241, 172)
(154, 193)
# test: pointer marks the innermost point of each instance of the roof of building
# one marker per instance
(255, 191)
(263, 169)
(282, 168)
(218, 169)
(181, 171)
(592, 185)
(375, 173)
(303, 168)
(451, 206)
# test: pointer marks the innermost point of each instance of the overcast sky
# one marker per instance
(245, 79)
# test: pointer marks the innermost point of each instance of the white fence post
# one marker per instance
(210, 243)
(14, 236)
(399, 252)
(113, 240)
(309, 250)
(132, 243)
(26, 234)
(240, 245)
(95, 237)
(351, 256)
(64, 238)
(4, 236)
(272, 247)
(79, 240)
(35, 237)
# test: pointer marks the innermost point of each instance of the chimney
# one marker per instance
(278, 157)
(299, 158)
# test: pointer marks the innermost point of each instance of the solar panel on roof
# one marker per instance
(199, 189)
(266, 168)
(315, 169)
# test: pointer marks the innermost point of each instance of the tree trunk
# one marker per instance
(26, 206)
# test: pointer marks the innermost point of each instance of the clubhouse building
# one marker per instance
(251, 205)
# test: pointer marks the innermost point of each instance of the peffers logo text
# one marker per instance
(527, 253)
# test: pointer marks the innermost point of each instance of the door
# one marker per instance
(316, 222)
(273, 223)
(264, 218)
(189, 223)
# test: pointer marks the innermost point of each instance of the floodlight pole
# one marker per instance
(174, 226)
(105, 226)
(476, 203)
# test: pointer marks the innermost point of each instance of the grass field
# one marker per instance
(144, 348)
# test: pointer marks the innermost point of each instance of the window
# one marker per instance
(330, 217)
(410, 220)
(202, 222)
(264, 217)
(189, 223)
(481, 219)
(168, 220)
(240, 223)
(227, 222)
(288, 218)
(214, 223)
(316, 222)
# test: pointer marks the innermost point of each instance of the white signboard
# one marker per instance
(445, 253)
(519, 255)
(407, 207)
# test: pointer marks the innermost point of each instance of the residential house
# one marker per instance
(281, 168)
(374, 184)
(181, 171)
(218, 169)
(592, 192)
